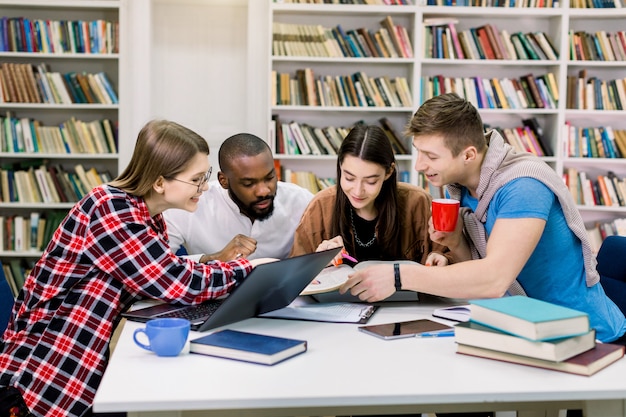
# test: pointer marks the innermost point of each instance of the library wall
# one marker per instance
(198, 67)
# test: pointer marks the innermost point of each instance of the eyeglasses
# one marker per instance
(199, 182)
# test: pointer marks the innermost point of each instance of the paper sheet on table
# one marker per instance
(327, 312)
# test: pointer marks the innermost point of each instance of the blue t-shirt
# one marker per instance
(555, 271)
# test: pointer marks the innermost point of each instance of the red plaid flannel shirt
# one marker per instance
(106, 254)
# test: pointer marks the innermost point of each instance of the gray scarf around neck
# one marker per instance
(501, 165)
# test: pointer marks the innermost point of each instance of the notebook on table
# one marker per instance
(267, 288)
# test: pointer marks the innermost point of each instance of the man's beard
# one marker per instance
(250, 211)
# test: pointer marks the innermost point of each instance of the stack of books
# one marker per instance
(536, 333)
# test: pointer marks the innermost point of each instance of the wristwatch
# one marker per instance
(396, 275)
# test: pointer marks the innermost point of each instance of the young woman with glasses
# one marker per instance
(110, 251)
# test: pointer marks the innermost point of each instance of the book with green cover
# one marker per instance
(529, 317)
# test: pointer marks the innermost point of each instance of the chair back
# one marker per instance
(612, 269)
(6, 301)
(612, 258)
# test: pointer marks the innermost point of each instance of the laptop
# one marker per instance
(267, 288)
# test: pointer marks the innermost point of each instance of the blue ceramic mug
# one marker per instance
(166, 337)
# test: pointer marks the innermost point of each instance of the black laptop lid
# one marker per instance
(269, 287)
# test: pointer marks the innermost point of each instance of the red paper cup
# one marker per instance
(445, 212)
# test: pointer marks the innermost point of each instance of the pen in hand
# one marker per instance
(343, 254)
(442, 333)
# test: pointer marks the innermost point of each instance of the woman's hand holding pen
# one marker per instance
(336, 242)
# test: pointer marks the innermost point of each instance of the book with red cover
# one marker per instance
(587, 363)
(483, 38)
(493, 41)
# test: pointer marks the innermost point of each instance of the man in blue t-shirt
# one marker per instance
(520, 231)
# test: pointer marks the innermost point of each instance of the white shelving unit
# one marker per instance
(54, 114)
(591, 20)
(350, 17)
(555, 22)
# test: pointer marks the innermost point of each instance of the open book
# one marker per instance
(333, 277)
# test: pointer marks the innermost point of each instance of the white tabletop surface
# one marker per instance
(345, 371)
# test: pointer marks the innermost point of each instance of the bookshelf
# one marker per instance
(591, 21)
(349, 17)
(556, 23)
(94, 125)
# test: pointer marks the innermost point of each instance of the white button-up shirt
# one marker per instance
(218, 219)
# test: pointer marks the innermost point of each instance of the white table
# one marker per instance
(347, 372)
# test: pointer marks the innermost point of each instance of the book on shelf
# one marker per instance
(612, 179)
(8, 274)
(387, 43)
(529, 82)
(475, 334)
(520, 51)
(357, 45)
(306, 179)
(405, 41)
(19, 271)
(536, 128)
(333, 277)
(529, 47)
(536, 47)
(604, 192)
(486, 45)
(367, 39)
(396, 141)
(507, 43)
(586, 363)
(388, 24)
(529, 317)
(467, 44)
(473, 37)
(247, 347)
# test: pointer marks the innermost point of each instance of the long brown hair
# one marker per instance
(163, 148)
(370, 143)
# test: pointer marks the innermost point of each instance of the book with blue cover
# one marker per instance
(529, 317)
(248, 347)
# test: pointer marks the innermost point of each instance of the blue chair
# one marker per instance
(612, 268)
(6, 301)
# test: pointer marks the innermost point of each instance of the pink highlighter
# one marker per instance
(345, 254)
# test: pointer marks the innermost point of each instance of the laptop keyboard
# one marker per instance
(195, 313)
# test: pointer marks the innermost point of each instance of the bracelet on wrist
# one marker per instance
(396, 276)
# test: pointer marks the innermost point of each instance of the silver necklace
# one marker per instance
(356, 237)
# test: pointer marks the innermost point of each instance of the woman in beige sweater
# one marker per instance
(369, 212)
